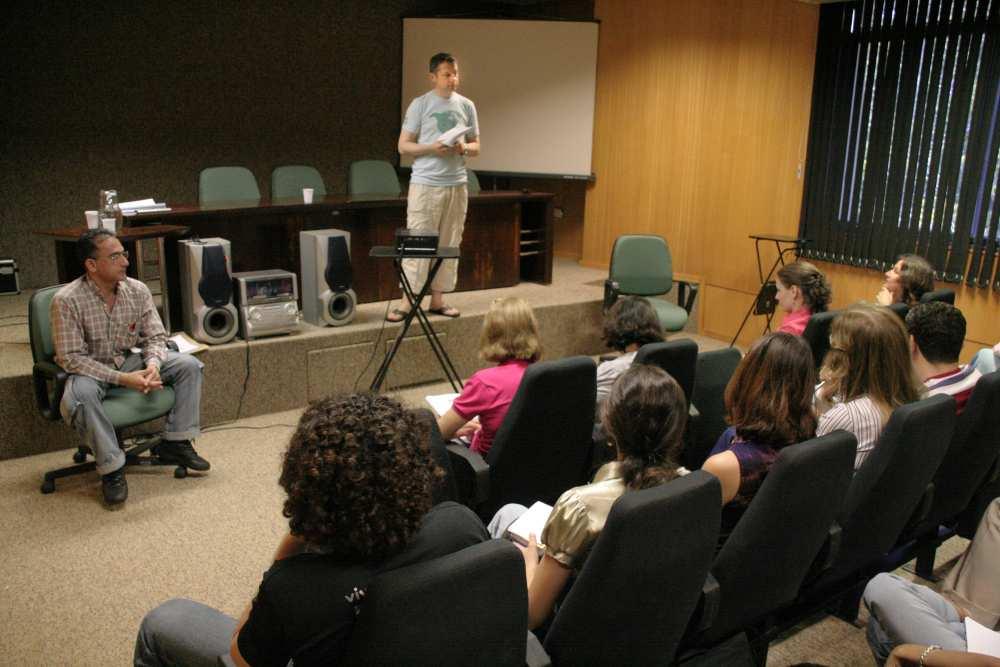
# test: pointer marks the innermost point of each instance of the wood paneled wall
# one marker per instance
(700, 136)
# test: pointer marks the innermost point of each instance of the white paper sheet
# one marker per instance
(981, 639)
(441, 403)
(532, 521)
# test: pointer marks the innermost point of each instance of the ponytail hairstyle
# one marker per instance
(644, 417)
(811, 282)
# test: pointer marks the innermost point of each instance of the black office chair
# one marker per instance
(677, 357)
(944, 294)
(543, 446)
(882, 496)
(469, 607)
(971, 456)
(641, 581)
(817, 334)
(713, 371)
(125, 407)
(445, 488)
(768, 555)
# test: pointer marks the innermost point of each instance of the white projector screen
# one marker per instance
(533, 84)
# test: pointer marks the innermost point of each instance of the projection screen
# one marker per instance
(533, 84)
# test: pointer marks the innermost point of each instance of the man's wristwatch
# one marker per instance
(465, 151)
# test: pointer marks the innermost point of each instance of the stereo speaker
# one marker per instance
(207, 290)
(327, 297)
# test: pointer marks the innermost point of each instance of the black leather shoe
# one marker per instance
(180, 452)
(114, 487)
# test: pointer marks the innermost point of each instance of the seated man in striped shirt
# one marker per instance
(937, 331)
(107, 332)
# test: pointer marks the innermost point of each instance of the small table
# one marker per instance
(388, 252)
(68, 266)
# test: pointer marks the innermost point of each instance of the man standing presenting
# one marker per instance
(438, 196)
(97, 320)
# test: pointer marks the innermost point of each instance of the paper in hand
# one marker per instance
(451, 136)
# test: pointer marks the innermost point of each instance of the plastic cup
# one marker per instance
(307, 195)
(93, 220)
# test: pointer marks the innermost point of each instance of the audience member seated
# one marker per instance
(908, 279)
(644, 418)
(769, 404)
(629, 324)
(359, 478)
(920, 626)
(107, 332)
(510, 339)
(866, 375)
(937, 332)
(802, 291)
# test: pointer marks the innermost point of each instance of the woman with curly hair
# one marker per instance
(644, 417)
(906, 281)
(802, 292)
(865, 376)
(358, 477)
(509, 338)
(630, 323)
(769, 406)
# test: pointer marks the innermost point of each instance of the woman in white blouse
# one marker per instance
(866, 375)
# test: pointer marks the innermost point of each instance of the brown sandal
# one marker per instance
(396, 315)
(445, 311)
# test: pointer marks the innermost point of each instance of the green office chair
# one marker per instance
(288, 181)
(641, 265)
(227, 184)
(473, 185)
(124, 407)
(373, 177)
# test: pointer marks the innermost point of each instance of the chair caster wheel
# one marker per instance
(180, 472)
(48, 486)
(79, 457)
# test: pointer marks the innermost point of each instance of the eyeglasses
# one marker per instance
(116, 256)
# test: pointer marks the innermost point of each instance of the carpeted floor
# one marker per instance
(78, 578)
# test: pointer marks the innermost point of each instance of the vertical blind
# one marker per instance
(904, 139)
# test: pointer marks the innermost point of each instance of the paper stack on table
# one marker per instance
(142, 206)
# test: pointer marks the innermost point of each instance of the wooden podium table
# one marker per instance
(507, 238)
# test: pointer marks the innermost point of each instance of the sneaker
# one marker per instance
(180, 452)
(114, 487)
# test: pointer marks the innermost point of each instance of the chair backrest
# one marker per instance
(971, 454)
(40, 324)
(225, 184)
(543, 446)
(641, 264)
(713, 371)
(473, 184)
(817, 334)
(642, 580)
(372, 177)
(677, 357)
(901, 309)
(766, 558)
(288, 181)
(464, 608)
(447, 487)
(944, 294)
(891, 481)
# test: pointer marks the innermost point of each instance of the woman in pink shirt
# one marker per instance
(509, 338)
(802, 291)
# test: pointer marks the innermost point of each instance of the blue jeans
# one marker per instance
(902, 612)
(81, 407)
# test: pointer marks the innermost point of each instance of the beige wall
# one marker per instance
(700, 136)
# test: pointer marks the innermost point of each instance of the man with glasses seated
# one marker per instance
(107, 332)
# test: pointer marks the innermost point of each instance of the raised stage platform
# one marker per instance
(287, 372)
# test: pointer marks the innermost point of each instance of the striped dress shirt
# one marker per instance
(91, 339)
(958, 383)
(860, 417)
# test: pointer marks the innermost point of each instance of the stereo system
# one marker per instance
(207, 290)
(327, 297)
(267, 302)
(10, 278)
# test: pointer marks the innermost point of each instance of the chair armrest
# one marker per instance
(470, 471)
(687, 291)
(49, 381)
(711, 596)
(611, 291)
(831, 548)
(535, 655)
(923, 507)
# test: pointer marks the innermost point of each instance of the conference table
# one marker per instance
(507, 238)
